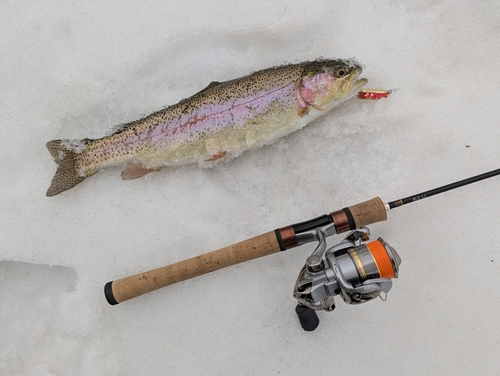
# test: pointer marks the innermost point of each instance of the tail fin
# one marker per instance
(66, 176)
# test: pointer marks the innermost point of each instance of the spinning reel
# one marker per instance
(355, 269)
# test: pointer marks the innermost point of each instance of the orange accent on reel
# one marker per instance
(382, 259)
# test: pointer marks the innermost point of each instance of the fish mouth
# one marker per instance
(353, 83)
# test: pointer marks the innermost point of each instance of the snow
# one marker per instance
(72, 70)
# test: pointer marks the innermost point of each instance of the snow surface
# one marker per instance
(74, 69)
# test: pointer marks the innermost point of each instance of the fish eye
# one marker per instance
(341, 71)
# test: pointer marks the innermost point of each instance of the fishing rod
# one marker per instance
(355, 269)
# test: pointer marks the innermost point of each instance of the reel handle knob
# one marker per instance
(307, 317)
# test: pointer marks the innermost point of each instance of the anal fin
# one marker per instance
(135, 171)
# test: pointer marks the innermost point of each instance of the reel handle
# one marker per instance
(130, 287)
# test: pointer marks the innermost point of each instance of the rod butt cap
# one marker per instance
(108, 293)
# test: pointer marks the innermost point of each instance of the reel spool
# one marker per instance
(355, 269)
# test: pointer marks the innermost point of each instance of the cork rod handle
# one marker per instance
(130, 287)
(368, 212)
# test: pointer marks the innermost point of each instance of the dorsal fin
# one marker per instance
(211, 85)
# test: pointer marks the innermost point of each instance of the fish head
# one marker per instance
(326, 83)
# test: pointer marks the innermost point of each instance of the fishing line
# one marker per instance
(375, 94)
(379, 94)
(481, 49)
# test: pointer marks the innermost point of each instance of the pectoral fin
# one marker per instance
(216, 156)
(135, 171)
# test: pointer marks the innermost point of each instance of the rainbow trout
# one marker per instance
(221, 121)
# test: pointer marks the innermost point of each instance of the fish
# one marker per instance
(218, 123)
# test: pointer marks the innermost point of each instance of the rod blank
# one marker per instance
(444, 188)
